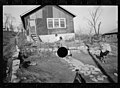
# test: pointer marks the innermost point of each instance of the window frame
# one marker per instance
(53, 20)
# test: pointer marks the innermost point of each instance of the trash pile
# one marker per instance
(91, 71)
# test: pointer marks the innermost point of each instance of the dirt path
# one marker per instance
(105, 68)
(90, 73)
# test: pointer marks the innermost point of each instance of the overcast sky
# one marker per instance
(108, 17)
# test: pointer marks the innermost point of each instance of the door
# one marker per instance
(32, 26)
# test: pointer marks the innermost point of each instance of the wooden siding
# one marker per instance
(37, 14)
(41, 27)
(57, 13)
(41, 23)
(110, 38)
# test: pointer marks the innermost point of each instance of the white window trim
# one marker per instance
(54, 23)
(64, 21)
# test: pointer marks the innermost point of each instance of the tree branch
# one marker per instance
(99, 27)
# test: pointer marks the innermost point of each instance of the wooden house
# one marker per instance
(45, 21)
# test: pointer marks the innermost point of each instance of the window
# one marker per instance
(56, 23)
(50, 23)
(62, 22)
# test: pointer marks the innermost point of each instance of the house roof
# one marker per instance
(39, 7)
(114, 31)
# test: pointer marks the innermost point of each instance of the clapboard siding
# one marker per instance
(41, 27)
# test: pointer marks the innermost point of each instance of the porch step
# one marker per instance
(35, 37)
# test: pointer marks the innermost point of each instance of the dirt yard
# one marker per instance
(52, 69)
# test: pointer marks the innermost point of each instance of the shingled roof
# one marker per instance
(39, 7)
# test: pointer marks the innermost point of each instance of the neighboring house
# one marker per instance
(48, 20)
(111, 36)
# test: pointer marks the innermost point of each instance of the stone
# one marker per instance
(97, 69)
(16, 80)
(33, 63)
(15, 68)
(100, 78)
(115, 74)
(91, 76)
(94, 72)
(15, 55)
(94, 79)
(16, 62)
(13, 77)
(85, 68)
(73, 69)
(104, 76)
(86, 73)
(91, 69)
(81, 71)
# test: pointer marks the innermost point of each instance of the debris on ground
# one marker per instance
(85, 69)
(115, 74)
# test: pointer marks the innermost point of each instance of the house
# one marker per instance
(111, 36)
(45, 21)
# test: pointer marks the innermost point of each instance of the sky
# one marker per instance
(108, 17)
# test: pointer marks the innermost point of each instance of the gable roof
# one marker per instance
(114, 31)
(39, 7)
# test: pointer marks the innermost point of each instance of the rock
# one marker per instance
(81, 71)
(16, 80)
(33, 63)
(85, 68)
(94, 79)
(100, 78)
(14, 68)
(16, 62)
(91, 76)
(14, 71)
(15, 55)
(115, 74)
(86, 73)
(91, 69)
(104, 76)
(97, 69)
(73, 69)
(94, 72)
(13, 77)
(23, 78)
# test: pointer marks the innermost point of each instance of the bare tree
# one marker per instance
(20, 27)
(94, 22)
(11, 23)
(8, 21)
(7, 17)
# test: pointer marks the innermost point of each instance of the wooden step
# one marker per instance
(35, 37)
